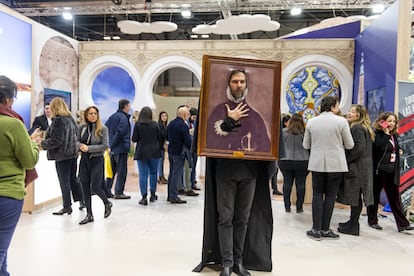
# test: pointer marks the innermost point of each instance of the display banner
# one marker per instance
(406, 140)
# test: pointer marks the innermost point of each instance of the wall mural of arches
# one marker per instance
(307, 87)
(108, 87)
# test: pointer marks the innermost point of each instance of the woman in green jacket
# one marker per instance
(17, 154)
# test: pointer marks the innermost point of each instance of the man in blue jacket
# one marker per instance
(119, 146)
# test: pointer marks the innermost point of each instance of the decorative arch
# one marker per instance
(95, 67)
(340, 71)
(161, 65)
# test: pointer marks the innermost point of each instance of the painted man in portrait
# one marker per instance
(234, 125)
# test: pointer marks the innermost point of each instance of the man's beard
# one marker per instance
(236, 96)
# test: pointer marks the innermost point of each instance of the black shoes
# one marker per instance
(329, 235)
(153, 197)
(349, 229)
(63, 211)
(406, 228)
(191, 193)
(88, 218)
(181, 192)
(108, 209)
(287, 210)
(314, 235)
(177, 201)
(81, 205)
(376, 226)
(143, 201)
(227, 270)
(299, 211)
(123, 196)
(344, 224)
(240, 270)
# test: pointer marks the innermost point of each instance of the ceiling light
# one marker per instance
(295, 11)
(106, 38)
(116, 37)
(67, 15)
(194, 36)
(378, 8)
(205, 36)
(186, 13)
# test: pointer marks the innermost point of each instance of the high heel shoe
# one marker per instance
(108, 209)
(88, 218)
(63, 211)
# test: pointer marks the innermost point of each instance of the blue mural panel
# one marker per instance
(306, 89)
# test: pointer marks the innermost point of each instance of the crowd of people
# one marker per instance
(350, 160)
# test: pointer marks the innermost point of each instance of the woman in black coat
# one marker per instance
(147, 153)
(358, 180)
(386, 159)
(162, 124)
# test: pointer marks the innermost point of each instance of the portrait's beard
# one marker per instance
(237, 95)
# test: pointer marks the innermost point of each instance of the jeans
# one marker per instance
(176, 175)
(325, 189)
(161, 165)
(66, 171)
(145, 168)
(119, 168)
(10, 210)
(294, 171)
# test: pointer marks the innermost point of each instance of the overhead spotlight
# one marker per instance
(378, 8)
(186, 13)
(116, 37)
(67, 15)
(295, 11)
(106, 38)
(117, 2)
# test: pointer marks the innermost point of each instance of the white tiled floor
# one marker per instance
(166, 239)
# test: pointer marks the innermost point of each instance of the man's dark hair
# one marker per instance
(328, 103)
(232, 73)
(8, 89)
(122, 103)
(193, 111)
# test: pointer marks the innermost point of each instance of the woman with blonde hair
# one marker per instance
(93, 141)
(358, 180)
(61, 145)
(386, 159)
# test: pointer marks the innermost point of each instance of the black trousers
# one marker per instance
(236, 185)
(91, 174)
(119, 163)
(325, 189)
(66, 171)
(385, 180)
(294, 171)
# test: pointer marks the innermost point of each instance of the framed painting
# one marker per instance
(239, 114)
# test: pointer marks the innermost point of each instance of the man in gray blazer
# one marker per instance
(327, 136)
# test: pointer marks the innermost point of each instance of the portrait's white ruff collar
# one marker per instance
(232, 99)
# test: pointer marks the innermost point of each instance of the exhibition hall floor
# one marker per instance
(166, 239)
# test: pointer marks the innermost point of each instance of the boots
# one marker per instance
(350, 229)
(108, 209)
(144, 200)
(153, 197)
